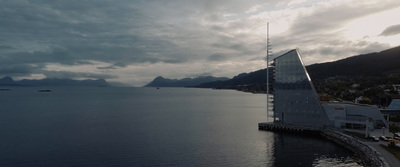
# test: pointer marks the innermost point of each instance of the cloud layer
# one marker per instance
(135, 41)
(392, 30)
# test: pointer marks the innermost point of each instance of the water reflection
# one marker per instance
(300, 150)
(147, 127)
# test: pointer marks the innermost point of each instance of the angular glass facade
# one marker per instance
(295, 99)
(394, 105)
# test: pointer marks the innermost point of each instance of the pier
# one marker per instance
(269, 126)
(369, 155)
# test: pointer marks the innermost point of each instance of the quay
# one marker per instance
(365, 150)
(287, 127)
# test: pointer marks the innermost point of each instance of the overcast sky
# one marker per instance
(134, 41)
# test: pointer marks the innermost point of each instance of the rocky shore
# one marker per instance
(368, 155)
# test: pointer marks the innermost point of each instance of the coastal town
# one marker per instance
(350, 111)
(364, 90)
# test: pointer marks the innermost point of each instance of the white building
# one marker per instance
(354, 117)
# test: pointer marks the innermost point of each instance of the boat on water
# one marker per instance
(45, 90)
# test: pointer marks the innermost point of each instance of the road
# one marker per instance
(389, 157)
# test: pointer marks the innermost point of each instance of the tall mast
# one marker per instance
(268, 71)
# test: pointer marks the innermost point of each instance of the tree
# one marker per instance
(393, 128)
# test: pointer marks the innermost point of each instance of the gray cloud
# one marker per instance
(68, 74)
(112, 67)
(117, 36)
(328, 17)
(331, 52)
(319, 36)
(392, 30)
(18, 69)
(217, 57)
(5, 47)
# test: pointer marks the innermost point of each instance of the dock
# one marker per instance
(270, 126)
(369, 155)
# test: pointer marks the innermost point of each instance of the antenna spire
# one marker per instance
(269, 49)
(270, 98)
(267, 84)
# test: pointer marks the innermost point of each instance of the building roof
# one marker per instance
(344, 103)
(394, 105)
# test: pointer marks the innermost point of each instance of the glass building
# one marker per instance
(295, 100)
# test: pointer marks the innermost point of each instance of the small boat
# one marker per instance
(45, 90)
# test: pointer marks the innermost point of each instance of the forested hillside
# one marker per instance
(372, 64)
(369, 77)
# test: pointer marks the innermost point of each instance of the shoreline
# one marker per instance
(368, 155)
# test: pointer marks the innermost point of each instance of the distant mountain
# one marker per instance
(367, 65)
(372, 64)
(243, 79)
(185, 82)
(8, 81)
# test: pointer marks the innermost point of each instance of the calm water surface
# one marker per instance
(148, 127)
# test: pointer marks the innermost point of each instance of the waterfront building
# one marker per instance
(354, 117)
(295, 100)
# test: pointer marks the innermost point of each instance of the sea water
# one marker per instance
(90, 126)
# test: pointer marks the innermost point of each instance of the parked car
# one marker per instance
(383, 138)
(374, 138)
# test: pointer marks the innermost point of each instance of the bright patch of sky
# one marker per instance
(136, 41)
(371, 26)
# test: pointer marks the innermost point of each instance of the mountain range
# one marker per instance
(366, 65)
(378, 64)
(8, 81)
(185, 82)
